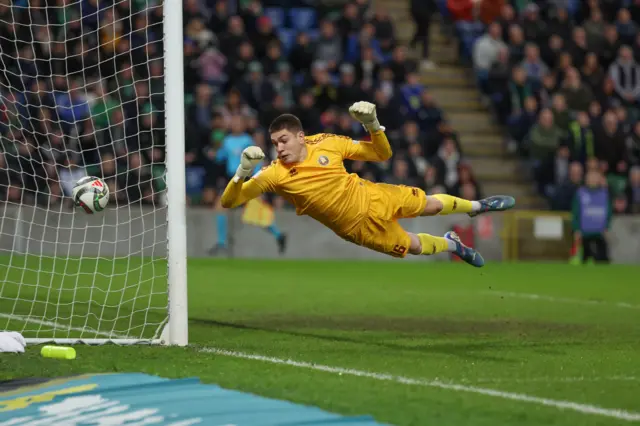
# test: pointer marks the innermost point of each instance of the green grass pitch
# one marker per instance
(560, 332)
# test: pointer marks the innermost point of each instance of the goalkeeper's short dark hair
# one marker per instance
(286, 122)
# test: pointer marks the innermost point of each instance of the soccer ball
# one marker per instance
(91, 193)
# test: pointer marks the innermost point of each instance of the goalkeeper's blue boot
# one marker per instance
(468, 254)
(497, 203)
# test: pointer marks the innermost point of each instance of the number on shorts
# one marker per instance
(399, 250)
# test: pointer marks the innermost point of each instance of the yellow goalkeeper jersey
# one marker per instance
(319, 186)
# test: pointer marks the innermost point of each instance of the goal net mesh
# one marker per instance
(82, 94)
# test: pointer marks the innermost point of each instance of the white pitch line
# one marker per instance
(561, 405)
(62, 326)
(561, 299)
(552, 379)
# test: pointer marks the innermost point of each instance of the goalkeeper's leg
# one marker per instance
(407, 202)
(425, 244)
(444, 204)
(390, 238)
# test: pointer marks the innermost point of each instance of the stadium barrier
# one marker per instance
(141, 231)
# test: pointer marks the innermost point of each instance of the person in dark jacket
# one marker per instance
(421, 12)
(610, 145)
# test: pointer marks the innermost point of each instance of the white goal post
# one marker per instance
(93, 87)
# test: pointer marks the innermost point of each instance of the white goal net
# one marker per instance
(82, 93)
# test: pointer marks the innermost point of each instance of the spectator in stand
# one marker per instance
(560, 23)
(592, 73)
(520, 124)
(627, 29)
(256, 90)
(551, 52)
(507, 19)
(561, 115)
(633, 145)
(533, 65)
(517, 44)
(385, 32)
(498, 85)
(610, 145)
(594, 28)
(264, 35)
(328, 47)
(417, 162)
(272, 60)
(388, 111)
(577, 94)
(633, 191)
(466, 179)
(625, 74)
(580, 139)
(364, 39)
(543, 142)
(578, 48)
(421, 13)
(610, 46)
(446, 162)
(400, 173)
(485, 53)
(324, 92)
(411, 135)
(565, 192)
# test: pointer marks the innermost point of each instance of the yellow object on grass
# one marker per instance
(59, 352)
(257, 212)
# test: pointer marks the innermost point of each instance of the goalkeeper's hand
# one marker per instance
(250, 158)
(365, 113)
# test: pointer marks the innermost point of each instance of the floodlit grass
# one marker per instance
(579, 342)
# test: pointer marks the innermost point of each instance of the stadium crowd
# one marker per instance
(81, 84)
(563, 76)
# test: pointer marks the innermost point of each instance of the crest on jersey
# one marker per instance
(323, 160)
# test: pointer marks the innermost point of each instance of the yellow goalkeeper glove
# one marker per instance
(365, 113)
(250, 158)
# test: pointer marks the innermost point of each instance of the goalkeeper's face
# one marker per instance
(289, 146)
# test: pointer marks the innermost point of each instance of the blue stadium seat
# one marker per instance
(277, 16)
(302, 18)
(287, 38)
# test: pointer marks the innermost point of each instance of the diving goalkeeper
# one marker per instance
(309, 172)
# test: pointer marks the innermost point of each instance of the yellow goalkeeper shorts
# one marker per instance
(380, 231)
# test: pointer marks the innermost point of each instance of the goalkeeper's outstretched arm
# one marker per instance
(238, 191)
(379, 148)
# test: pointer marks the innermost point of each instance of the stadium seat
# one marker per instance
(287, 38)
(302, 18)
(277, 16)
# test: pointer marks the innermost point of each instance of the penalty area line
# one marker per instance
(559, 404)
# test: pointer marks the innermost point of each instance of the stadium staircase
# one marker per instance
(453, 87)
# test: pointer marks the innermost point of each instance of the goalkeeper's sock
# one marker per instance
(451, 204)
(432, 245)
(221, 225)
(275, 231)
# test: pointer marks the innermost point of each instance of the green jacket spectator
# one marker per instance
(545, 137)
